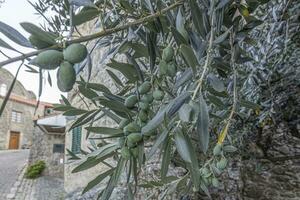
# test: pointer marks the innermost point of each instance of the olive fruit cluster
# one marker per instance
(142, 102)
(208, 175)
(51, 59)
(167, 65)
(132, 132)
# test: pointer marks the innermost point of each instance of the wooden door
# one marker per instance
(14, 140)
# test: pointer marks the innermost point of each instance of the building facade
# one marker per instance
(49, 143)
(16, 122)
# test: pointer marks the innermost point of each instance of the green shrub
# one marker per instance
(35, 170)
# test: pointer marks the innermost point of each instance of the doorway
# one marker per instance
(14, 140)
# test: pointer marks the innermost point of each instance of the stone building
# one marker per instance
(48, 144)
(16, 122)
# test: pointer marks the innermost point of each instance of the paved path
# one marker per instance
(42, 188)
(11, 163)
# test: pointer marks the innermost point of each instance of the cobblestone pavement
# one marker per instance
(43, 188)
(11, 163)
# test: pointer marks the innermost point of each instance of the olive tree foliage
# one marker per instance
(181, 94)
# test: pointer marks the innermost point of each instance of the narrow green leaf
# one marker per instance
(37, 31)
(216, 83)
(95, 86)
(84, 15)
(114, 77)
(189, 56)
(203, 125)
(151, 42)
(74, 112)
(160, 140)
(126, 69)
(166, 159)
(180, 21)
(249, 104)
(104, 130)
(113, 180)
(85, 118)
(73, 156)
(168, 110)
(197, 18)
(222, 37)
(88, 93)
(66, 101)
(229, 148)
(9, 92)
(85, 3)
(14, 35)
(97, 180)
(5, 45)
(90, 162)
(182, 146)
(222, 3)
(178, 37)
(64, 108)
(185, 113)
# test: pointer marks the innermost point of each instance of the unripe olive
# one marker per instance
(147, 98)
(134, 138)
(134, 152)
(144, 88)
(143, 116)
(75, 53)
(215, 182)
(125, 153)
(163, 68)
(66, 77)
(158, 95)
(217, 150)
(144, 105)
(206, 180)
(172, 69)
(49, 59)
(131, 101)
(205, 172)
(131, 128)
(150, 133)
(168, 54)
(222, 163)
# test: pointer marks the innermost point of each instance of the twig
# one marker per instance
(208, 56)
(98, 34)
(224, 131)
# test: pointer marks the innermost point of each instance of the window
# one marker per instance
(16, 116)
(76, 140)
(3, 89)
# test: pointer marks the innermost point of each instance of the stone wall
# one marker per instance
(25, 127)
(42, 149)
(6, 78)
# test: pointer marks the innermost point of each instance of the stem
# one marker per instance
(98, 34)
(232, 62)
(208, 56)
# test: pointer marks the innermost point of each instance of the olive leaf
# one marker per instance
(85, 3)
(14, 35)
(97, 180)
(37, 31)
(203, 125)
(189, 56)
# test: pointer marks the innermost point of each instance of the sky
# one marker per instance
(12, 12)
